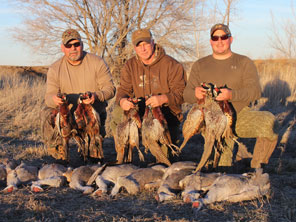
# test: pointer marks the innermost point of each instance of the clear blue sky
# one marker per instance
(250, 31)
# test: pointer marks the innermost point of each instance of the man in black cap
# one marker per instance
(154, 74)
(239, 73)
(74, 73)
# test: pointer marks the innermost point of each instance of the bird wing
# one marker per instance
(193, 124)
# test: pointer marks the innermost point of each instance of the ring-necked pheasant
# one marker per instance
(155, 133)
(88, 123)
(127, 135)
(214, 119)
(193, 124)
(64, 125)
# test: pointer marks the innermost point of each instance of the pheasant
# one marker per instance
(226, 108)
(88, 123)
(155, 133)
(216, 123)
(214, 119)
(219, 120)
(193, 124)
(64, 125)
(127, 134)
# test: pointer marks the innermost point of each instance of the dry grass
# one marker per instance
(278, 81)
(20, 102)
(22, 90)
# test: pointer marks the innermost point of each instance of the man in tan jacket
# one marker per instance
(75, 73)
(238, 72)
(155, 74)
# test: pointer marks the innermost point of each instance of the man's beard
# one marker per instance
(74, 57)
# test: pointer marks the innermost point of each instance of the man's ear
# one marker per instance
(231, 39)
(62, 47)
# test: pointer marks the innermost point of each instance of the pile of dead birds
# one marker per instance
(168, 183)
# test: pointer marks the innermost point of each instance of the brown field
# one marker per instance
(22, 90)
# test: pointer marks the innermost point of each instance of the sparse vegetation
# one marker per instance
(278, 81)
(22, 90)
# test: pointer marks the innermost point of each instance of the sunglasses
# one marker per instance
(76, 44)
(217, 37)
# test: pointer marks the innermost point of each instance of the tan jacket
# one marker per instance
(164, 76)
(91, 75)
(238, 72)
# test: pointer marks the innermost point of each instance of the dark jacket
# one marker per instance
(164, 76)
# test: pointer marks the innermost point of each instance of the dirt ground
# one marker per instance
(65, 204)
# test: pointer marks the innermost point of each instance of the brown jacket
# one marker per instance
(91, 75)
(164, 76)
(238, 72)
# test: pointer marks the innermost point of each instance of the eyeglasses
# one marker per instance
(76, 44)
(217, 37)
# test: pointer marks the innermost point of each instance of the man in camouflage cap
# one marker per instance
(220, 26)
(70, 34)
(238, 72)
(76, 72)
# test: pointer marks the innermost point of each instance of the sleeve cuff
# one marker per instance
(100, 96)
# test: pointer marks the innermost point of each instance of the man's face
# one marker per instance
(144, 50)
(221, 47)
(73, 50)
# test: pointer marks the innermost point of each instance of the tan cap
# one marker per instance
(141, 35)
(70, 34)
(220, 26)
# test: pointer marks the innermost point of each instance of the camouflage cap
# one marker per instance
(222, 27)
(141, 35)
(70, 34)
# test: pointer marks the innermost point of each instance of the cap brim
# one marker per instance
(213, 31)
(136, 42)
(226, 32)
(68, 40)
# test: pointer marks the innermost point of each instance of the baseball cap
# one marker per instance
(141, 35)
(220, 26)
(70, 34)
